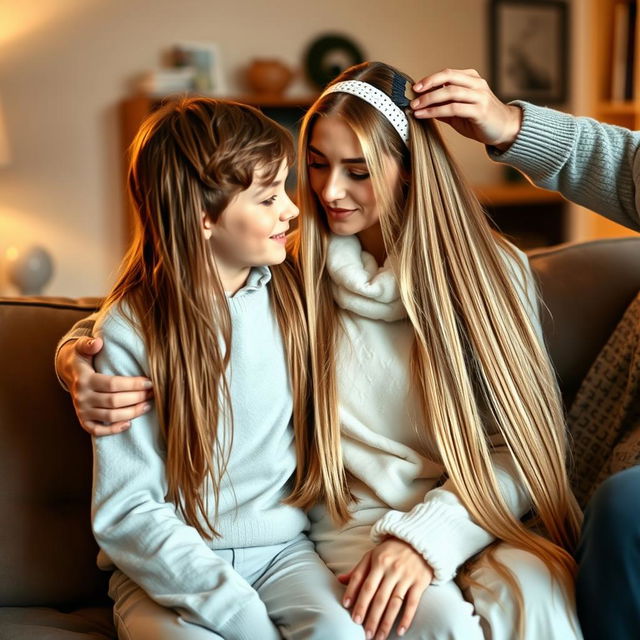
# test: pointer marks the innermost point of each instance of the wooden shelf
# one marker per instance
(528, 216)
(253, 99)
(622, 114)
(618, 107)
(514, 194)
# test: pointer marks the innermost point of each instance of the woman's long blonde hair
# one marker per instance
(475, 352)
(190, 157)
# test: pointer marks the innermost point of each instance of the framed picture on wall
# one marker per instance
(528, 42)
(204, 59)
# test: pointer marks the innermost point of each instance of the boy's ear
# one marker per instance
(206, 226)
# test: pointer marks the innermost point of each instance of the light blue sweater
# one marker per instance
(142, 534)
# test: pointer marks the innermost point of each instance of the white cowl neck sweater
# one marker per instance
(396, 485)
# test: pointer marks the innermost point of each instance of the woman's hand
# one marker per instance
(463, 99)
(391, 576)
(104, 404)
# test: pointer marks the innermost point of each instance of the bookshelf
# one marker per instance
(615, 54)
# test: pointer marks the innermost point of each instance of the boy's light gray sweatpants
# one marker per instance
(301, 597)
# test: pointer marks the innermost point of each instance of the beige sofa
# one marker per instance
(50, 588)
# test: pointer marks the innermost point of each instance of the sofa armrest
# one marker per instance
(585, 288)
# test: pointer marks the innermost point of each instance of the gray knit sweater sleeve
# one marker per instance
(82, 328)
(593, 164)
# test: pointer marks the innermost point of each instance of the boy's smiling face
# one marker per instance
(251, 231)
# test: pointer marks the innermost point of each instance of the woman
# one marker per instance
(425, 314)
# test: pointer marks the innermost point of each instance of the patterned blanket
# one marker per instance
(604, 419)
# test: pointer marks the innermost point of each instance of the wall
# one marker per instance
(65, 65)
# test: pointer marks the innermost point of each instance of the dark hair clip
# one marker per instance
(398, 89)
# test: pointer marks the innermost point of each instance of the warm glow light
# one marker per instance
(29, 16)
(20, 230)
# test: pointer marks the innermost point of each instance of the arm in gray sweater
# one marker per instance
(593, 164)
(80, 329)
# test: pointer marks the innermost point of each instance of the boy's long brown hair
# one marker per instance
(189, 158)
(474, 346)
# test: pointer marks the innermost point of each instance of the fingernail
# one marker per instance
(147, 384)
(146, 407)
(414, 104)
(418, 86)
(401, 631)
(369, 635)
(124, 427)
(357, 619)
(346, 602)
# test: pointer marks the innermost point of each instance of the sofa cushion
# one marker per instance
(47, 550)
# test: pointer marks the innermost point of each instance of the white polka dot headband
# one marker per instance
(378, 99)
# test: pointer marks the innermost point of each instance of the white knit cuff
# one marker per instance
(443, 534)
(542, 128)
